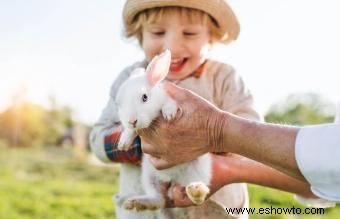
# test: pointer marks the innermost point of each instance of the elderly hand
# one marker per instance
(196, 130)
(224, 171)
(233, 168)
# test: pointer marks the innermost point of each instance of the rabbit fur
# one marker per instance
(140, 99)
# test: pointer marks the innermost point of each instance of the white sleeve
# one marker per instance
(317, 151)
(337, 115)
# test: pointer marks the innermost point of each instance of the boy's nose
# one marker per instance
(174, 44)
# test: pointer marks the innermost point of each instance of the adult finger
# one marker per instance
(182, 95)
(175, 92)
(148, 148)
(159, 163)
(164, 189)
(180, 198)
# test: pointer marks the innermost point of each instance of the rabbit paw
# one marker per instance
(197, 192)
(169, 110)
(143, 203)
(126, 140)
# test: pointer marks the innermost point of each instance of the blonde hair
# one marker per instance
(149, 16)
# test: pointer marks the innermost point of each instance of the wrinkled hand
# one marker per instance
(224, 172)
(195, 130)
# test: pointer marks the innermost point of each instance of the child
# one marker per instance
(188, 29)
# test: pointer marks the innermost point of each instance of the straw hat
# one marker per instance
(218, 9)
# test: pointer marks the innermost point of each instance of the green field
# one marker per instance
(60, 183)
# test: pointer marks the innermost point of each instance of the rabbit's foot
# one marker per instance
(197, 192)
(119, 199)
(169, 110)
(126, 139)
(143, 203)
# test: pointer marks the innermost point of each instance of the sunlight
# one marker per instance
(76, 58)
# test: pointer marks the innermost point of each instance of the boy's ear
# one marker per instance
(158, 68)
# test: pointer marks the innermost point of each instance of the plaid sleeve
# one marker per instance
(133, 155)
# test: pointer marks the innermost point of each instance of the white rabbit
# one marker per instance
(140, 99)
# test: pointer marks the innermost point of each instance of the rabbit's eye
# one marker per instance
(144, 98)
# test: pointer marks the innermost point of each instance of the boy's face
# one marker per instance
(187, 42)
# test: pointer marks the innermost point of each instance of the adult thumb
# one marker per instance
(159, 163)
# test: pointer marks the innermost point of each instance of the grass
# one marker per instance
(261, 197)
(59, 183)
(54, 183)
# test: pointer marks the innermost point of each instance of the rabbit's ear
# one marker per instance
(158, 68)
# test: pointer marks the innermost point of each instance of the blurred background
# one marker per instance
(58, 59)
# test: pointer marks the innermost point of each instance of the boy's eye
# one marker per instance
(158, 33)
(190, 33)
(144, 98)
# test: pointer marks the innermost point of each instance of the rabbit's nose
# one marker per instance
(133, 122)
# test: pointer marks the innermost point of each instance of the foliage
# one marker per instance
(302, 109)
(23, 125)
(30, 124)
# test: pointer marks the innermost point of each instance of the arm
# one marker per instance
(236, 99)
(233, 168)
(105, 135)
(257, 173)
(204, 128)
(267, 143)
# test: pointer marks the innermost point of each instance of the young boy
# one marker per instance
(188, 29)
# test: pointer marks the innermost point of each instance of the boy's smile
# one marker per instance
(177, 64)
(187, 41)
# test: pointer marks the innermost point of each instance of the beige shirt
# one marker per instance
(217, 83)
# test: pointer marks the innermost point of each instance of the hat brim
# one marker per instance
(217, 9)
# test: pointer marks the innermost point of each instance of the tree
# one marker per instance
(27, 124)
(23, 125)
(302, 109)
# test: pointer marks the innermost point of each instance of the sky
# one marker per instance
(74, 49)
